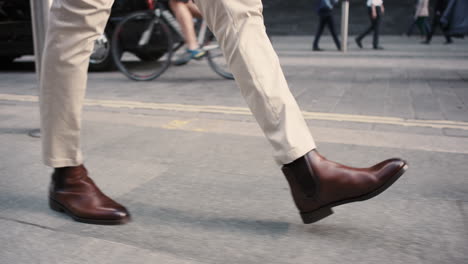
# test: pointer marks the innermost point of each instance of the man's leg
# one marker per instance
(367, 31)
(331, 27)
(434, 25)
(239, 29)
(184, 16)
(317, 184)
(320, 28)
(420, 24)
(427, 27)
(376, 22)
(73, 27)
(448, 38)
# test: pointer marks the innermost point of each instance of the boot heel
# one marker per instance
(314, 216)
(55, 206)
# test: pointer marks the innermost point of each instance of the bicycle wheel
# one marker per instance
(215, 57)
(142, 46)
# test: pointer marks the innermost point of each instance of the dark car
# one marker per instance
(16, 37)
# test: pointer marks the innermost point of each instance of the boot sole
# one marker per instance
(326, 210)
(56, 206)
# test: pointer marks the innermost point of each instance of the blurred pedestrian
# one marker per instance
(317, 184)
(439, 8)
(376, 10)
(421, 16)
(413, 23)
(324, 10)
(455, 18)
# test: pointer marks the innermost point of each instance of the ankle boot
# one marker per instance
(74, 193)
(318, 184)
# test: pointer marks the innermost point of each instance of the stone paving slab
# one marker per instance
(201, 197)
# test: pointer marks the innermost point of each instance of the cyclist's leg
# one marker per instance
(73, 27)
(194, 9)
(185, 19)
(238, 26)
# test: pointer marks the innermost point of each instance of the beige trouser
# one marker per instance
(238, 26)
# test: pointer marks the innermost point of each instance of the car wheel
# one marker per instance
(5, 60)
(101, 58)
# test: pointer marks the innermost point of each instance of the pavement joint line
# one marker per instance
(245, 111)
(27, 223)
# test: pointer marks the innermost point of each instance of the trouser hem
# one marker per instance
(295, 153)
(58, 163)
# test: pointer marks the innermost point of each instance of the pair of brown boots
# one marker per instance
(317, 185)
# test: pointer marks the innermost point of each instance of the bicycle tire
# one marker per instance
(216, 58)
(142, 58)
(215, 66)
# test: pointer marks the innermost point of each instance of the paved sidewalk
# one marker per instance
(187, 158)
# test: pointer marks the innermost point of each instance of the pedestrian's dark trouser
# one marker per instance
(375, 26)
(436, 23)
(423, 25)
(326, 19)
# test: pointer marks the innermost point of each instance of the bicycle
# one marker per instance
(143, 44)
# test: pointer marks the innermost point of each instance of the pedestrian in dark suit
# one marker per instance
(439, 9)
(324, 10)
(376, 10)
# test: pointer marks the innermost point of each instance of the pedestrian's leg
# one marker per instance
(239, 29)
(427, 27)
(376, 22)
(448, 38)
(317, 184)
(367, 31)
(73, 27)
(331, 27)
(319, 33)
(420, 24)
(433, 28)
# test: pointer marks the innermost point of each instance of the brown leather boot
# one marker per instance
(318, 184)
(74, 193)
